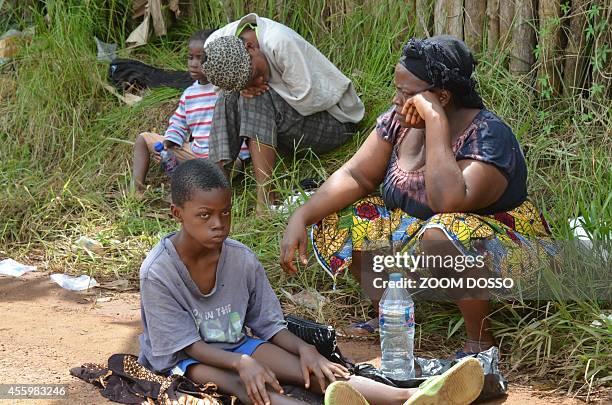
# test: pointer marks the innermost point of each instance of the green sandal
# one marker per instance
(459, 385)
(341, 393)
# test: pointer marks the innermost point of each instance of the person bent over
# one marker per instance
(279, 92)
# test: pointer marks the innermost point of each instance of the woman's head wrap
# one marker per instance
(446, 63)
(227, 63)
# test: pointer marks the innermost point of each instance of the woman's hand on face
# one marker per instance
(293, 239)
(422, 107)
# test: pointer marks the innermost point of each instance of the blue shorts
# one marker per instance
(248, 348)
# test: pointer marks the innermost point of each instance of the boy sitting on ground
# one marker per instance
(192, 119)
(200, 291)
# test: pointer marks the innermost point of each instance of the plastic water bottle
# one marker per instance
(168, 159)
(397, 330)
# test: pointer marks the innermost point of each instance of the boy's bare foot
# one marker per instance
(137, 190)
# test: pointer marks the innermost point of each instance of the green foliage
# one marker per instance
(66, 143)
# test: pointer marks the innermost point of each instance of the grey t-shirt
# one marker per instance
(176, 314)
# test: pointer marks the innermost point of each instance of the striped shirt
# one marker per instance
(193, 117)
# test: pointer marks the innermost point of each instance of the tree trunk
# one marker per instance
(448, 18)
(454, 19)
(492, 24)
(574, 72)
(523, 38)
(602, 72)
(474, 23)
(548, 42)
(439, 18)
(424, 14)
(506, 21)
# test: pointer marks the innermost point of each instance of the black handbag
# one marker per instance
(323, 338)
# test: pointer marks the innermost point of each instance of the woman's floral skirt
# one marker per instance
(510, 242)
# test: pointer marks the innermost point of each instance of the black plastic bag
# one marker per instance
(125, 73)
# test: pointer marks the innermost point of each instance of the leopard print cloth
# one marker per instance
(227, 63)
(127, 381)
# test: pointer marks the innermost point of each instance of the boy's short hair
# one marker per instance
(195, 174)
(201, 35)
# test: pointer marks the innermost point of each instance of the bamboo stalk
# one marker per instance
(473, 25)
(523, 38)
(492, 24)
(574, 73)
(548, 42)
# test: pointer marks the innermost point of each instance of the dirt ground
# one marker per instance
(45, 330)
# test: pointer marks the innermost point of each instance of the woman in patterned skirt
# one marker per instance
(448, 169)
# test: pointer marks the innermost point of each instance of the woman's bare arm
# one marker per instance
(358, 177)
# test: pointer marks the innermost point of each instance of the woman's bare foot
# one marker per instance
(477, 346)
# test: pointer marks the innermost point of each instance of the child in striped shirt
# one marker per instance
(189, 126)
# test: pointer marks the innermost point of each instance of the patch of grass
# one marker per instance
(66, 153)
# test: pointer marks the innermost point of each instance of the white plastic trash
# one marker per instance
(585, 237)
(10, 267)
(291, 201)
(79, 283)
(580, 233)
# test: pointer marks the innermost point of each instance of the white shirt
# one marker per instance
(299, 73)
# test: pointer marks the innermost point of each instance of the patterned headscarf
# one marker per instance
(227, 63)
(445, 62)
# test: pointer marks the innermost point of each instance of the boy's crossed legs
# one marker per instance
(286, 367)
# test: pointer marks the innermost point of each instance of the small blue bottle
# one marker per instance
(168, 159)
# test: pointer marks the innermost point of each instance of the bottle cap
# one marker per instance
(158, 146)
(395, 277)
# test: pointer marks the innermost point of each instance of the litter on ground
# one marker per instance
(10, 267)
(79, 283)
